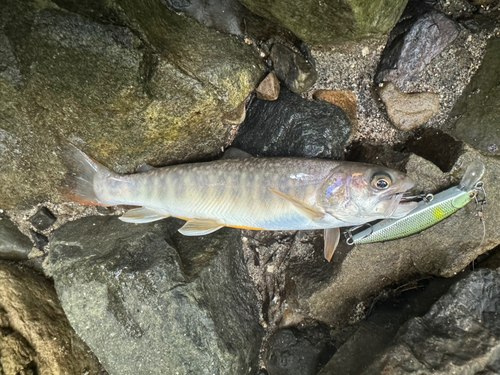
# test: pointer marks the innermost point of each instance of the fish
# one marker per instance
(428, 212)
(246, 192)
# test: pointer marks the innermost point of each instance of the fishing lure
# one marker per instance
(431, 210)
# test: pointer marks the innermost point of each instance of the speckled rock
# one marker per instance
(154, 91)
(408, 111)
(150, 301)
(13, 244)
(293, 126)
(475, 118)
(35, 334)
(420, 35)
(327, 23)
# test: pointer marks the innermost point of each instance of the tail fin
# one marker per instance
(82, 171)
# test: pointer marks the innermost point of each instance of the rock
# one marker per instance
(155, 92)
(475, 118)
(322, 23)
(460, 334)
(292, 68)
(295, 351)
(147, 301)
(269, 88)
(13, 244)
(40, 240)
(43, 219)
(420, 35)
(343, 99)
(36, 335)
(293, 126)
(408, 111)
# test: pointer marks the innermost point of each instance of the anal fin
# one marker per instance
(312, 213)
(200, 227)
(142, 215)
(332, 237)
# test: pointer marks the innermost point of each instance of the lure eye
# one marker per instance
(381, 181)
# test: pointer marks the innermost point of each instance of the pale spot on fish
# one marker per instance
(299, 176)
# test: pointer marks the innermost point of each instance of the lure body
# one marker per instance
(424, 216)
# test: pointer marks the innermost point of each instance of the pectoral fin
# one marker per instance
(312, 213)
(142, 215)
(235, 153)
(332, 237)
(200, 227)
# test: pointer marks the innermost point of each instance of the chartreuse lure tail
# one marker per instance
(427, 212)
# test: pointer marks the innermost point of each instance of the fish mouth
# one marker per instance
(397, 209)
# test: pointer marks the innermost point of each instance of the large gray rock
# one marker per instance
(331, 22)
(147, 301)
(35, 335)
(420, 35)
(293, 126)
(129, 83)
(13, 244)
(475, 118)
(459, 335)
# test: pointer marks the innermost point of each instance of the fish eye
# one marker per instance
(381, 181)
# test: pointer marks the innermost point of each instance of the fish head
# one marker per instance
(358, 193)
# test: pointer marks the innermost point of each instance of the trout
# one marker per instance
(248, 193)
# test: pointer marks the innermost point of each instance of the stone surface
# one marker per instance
(295, 351)
(129, 84)
(460, 334)
(292, 68)
(43, 219)
(269, 88)
(293, 126)
(327, 23)
(35, 334)
(343, 99)
(147, 301)
(420, 35)
(13, 244)
(475, 118)
(408, 111)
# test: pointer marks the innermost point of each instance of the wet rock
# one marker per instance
(43, 219)
(155, 92)
(343, 99)
(292, 68)
(149, 301)
(35, 334)
(321, 23)
(295, 351)
(269, 88)
(475, 118)
(408, 111)
(13, 244)
(293, 126)
(460, 333)
(420, 35)
(40, 240)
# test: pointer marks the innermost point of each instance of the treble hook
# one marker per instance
(348, 233)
